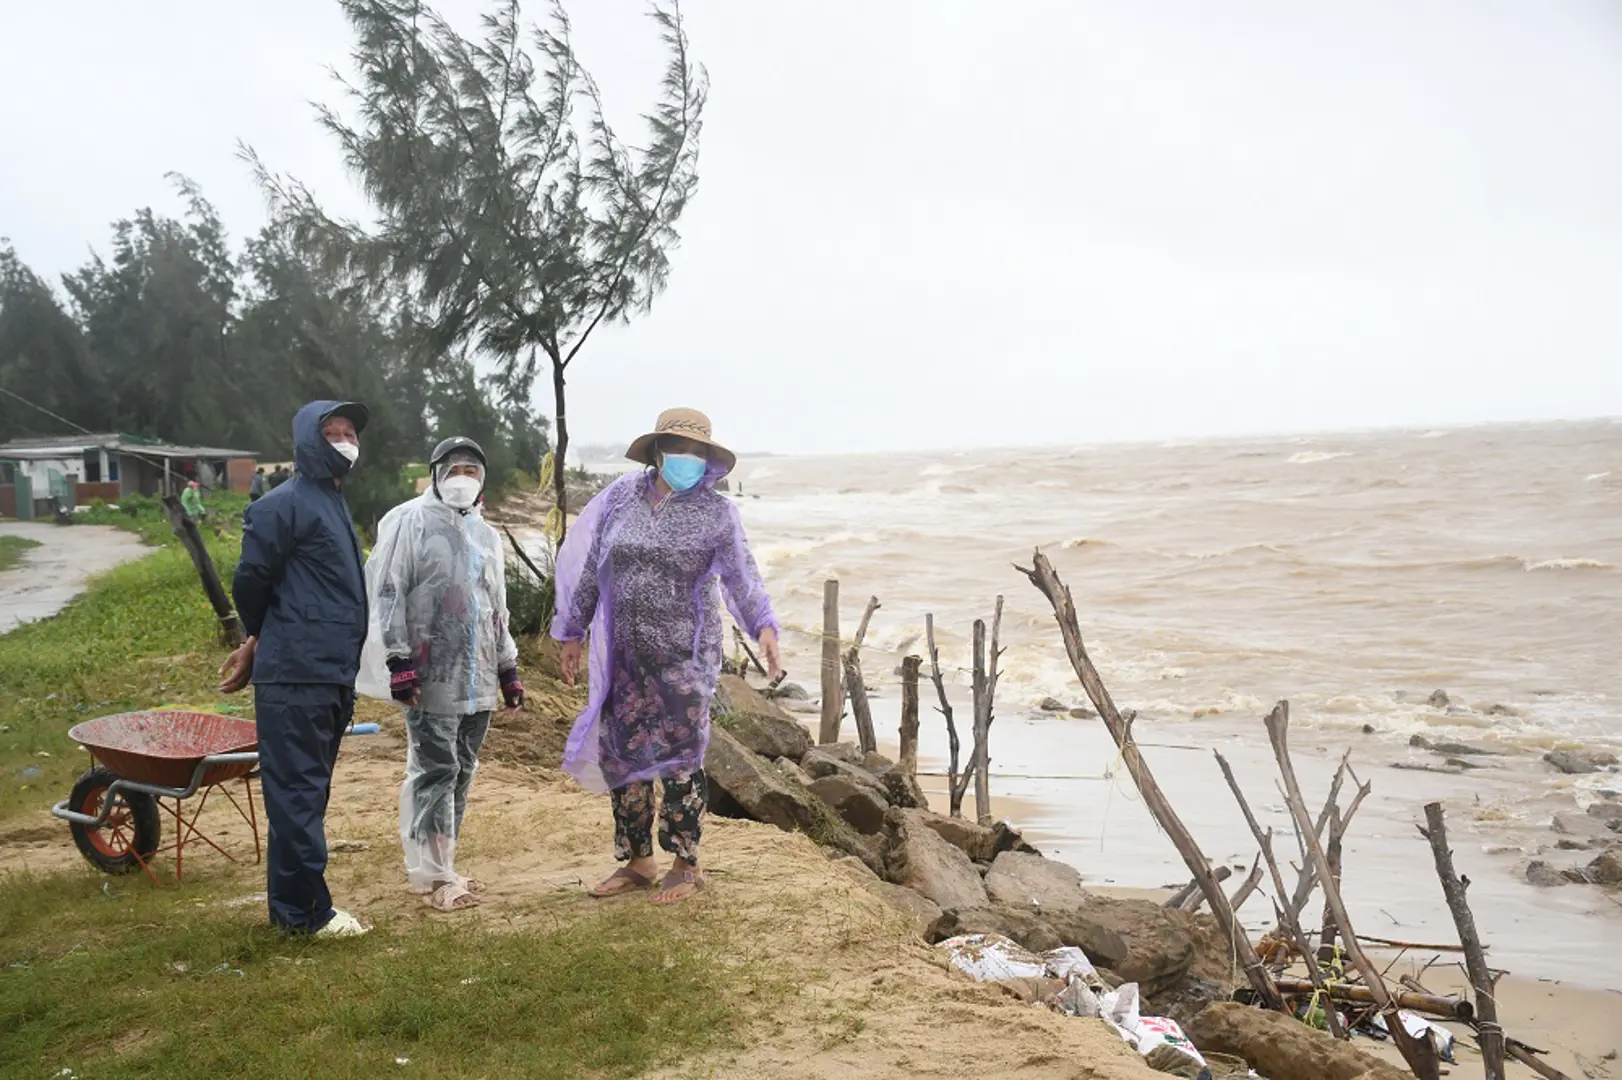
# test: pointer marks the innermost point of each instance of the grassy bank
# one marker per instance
(133, 981)
(11, 550)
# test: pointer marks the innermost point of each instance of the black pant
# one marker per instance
(681, 816)
(300, 726)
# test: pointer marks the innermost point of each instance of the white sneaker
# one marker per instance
(343, 924)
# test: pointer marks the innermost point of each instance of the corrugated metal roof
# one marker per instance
(37, 447)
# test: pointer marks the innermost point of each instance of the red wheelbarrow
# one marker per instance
(142, 759)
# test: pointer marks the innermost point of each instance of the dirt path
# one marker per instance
(55, 572)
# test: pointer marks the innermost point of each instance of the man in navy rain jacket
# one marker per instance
(301, 592)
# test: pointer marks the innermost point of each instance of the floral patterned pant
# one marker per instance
(681, 817)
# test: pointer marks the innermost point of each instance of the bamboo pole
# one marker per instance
(1419, 1054)
(1443, 1008)
(954, 794)
(1286, 918)
(1046, 581)
(1489, 1034)
(909, 716)
(833, 708)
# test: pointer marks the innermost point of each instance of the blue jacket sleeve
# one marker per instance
(267, 542)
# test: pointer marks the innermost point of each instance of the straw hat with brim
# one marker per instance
(681, 424)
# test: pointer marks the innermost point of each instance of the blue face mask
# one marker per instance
(682, 471)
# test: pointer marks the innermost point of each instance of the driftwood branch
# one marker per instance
(953, 792)
(856, 690)
(1046, 581)
(523, 556)
(1489, 1034)
(1183, 899)
(1290, 923)
(1252, 882)
(867, 615)
(1308, 876)
(743, 643)
(1418, 1053)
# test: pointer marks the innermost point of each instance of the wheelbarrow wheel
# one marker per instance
(130, 834)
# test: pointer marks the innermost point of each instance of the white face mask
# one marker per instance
(459, 492)
(349, 450)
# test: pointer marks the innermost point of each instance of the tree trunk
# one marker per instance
(560, 478)
(954, 794)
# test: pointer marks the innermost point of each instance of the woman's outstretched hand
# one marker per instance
(569, 661)
(774, 658)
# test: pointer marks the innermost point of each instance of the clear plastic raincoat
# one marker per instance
(437, 586)
(648, 583)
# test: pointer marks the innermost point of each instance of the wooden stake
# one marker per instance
(856, 688)
(185, 529)
(1490, 1035)
(909, 716)
(1420, 1054)
(954, 794)
(1047, 582)
(833, 708)
(985, 682)
(1286, 918)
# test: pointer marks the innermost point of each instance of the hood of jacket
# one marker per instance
(314, 456)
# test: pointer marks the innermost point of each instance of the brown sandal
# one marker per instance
(633, 882)
(675, 879)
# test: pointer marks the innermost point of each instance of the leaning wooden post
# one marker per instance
(185, 529)
(832, 707)
(1488, 1033)
(982, 789)
(1252, 882)
(856, 688)
(1419, 1053)
(909, 716)
(1042, 576)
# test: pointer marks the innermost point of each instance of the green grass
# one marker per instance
(132, 981)
(11, 550)
(141, 636)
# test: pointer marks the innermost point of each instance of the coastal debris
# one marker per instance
(855, 688)
(1420, 1055)
(1490, 1035)
(1251, 883)
(1183, 899)
(1046, 581)
(833, 705)
(1289, 920)
(1522, 1052)
(1453, 748)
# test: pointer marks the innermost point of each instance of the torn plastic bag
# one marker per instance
(1149, 1034)
(1068, 961)
(1420, 1028)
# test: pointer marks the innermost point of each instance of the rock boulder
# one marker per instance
(1030, 881)
(1012, 923)
(1575, 762)
(921, 860)
(1607, 869)
(1283, 1048)
(757, 723)
(924, 913)
(982, 843)
(1543, 875)
(862, 809)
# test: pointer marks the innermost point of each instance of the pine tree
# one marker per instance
(515, 224)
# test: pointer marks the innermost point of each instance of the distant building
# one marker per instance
(80, 468)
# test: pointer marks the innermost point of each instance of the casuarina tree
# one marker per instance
(505, 204)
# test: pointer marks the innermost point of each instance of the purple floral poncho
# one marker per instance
(645, 581)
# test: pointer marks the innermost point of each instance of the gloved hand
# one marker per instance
(512, 690)
(404, 683)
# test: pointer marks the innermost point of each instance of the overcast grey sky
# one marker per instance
(939, 223)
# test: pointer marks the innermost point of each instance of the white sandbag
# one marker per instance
(1068, 961)
(990, 957)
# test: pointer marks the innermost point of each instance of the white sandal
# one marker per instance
(343, 924)
(452, 897)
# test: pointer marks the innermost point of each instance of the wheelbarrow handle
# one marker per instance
(63, 811)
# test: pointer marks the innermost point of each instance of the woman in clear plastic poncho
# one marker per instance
(440, 646)
(644, 570)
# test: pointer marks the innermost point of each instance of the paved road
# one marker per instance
(56, 571)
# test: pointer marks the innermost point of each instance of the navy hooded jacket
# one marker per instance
(301, 585)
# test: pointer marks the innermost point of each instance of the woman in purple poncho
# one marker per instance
(640, 570)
